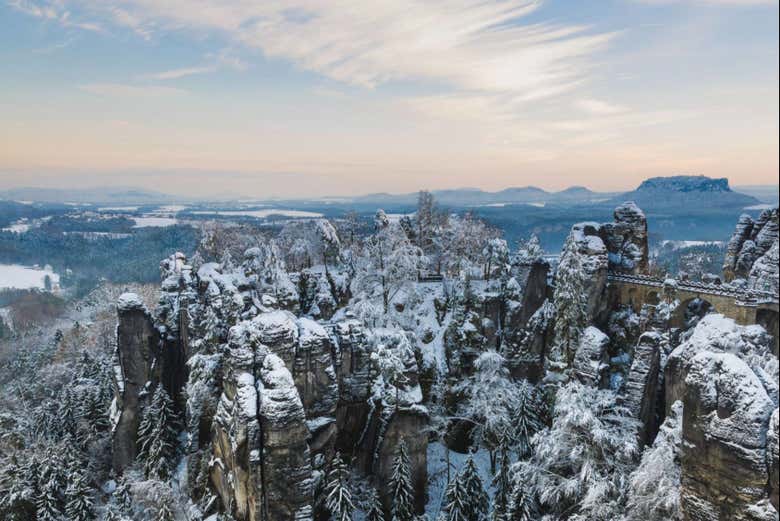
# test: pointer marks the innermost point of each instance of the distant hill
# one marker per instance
(685, 191)
(112, 195)
(465, 197)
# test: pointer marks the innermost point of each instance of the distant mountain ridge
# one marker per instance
(102, 195)
(477, 197)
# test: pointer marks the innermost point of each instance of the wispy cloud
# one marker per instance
(54, 12)
(174, 74)
(461, 44)
(125, 90)
(598, 107)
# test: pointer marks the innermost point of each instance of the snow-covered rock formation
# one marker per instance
(268, 396)
(726, 377)
(753, 240)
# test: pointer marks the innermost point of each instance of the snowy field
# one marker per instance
(146, 222)
(24, 277)
(688, 244)
(261, 214)
(17, 227)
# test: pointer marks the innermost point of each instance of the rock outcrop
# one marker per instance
(726, 413)
(773, 459)
(267, 396)
(626, 240)
(726, 377)
(640, 388)
(752, 240)
(591, 360)
(137, 348)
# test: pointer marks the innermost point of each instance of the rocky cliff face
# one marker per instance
(753, 241)
(137, 350)
(267, 396)
(641, 386)
(726, 378)
(619, 246)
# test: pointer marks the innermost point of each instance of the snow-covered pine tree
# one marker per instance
(582, 462)
(157, 435)
(490, 399)
(525, 418)
(78, 501)
(338, 497)
(456, 501)
(93, 410)
(571, 309)
(375, 511)
(121, 496)
(164, 512)
(110, 514)
(16, 494)
(502, 484)
(520, 505)
(47, 503)
(401, 488)
(478, 502)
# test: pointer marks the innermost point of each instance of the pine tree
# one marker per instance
(520, 505)
(571, 307)
(79, 503)
(110, 514)
(93, 410)
(502, 483)
(375, 510)
(164, 512)
(526, 419)
(122, 496)
(456, 500)
(47, 503)
(402, 491)
(478, 501)
(338, 497)
(157, 435)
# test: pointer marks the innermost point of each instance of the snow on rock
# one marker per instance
(136, 353)
(287, 472)
(726, 413)
(130, 301)
(591, 359)
(626, 239)
(640, 388)
(773, 458)
(717, 333)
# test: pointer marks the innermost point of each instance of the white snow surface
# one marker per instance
(148, 222)
(25, 277)
(261, 214)
(130, 301)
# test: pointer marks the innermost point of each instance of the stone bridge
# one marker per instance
(744, 306)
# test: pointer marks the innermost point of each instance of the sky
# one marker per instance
(311, 98)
